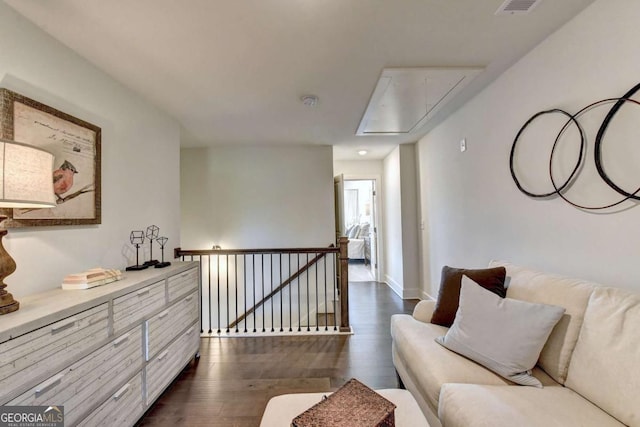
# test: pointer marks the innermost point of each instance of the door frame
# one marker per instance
(379, 217)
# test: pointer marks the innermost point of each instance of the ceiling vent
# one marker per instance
(517, 7)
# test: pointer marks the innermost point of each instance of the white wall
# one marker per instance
(140, 149)
(257, 197)
(392, 220)
(140, 159)
(409, 194)
(400, 222)
(470, 204)
(357, 167)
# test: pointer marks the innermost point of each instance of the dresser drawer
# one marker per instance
(165, 326)
(137, 305)
(32, 356)
(74, 387)
(162, 369)
(123, 408)
(183, 283)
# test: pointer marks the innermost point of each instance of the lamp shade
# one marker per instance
(26, 176)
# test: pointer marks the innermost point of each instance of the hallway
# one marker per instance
(359, 272)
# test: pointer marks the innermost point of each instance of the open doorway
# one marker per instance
(360, 226)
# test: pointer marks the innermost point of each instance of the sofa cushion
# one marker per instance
(424, 310)
(605, 367)
(471, 405)
(572, 294)
(505, 335)
(430, 365)
(449, 292)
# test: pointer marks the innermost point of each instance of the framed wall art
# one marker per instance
(75, 145)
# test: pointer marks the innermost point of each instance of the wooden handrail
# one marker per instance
(284, 284)
(178, 252)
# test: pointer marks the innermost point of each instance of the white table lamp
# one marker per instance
(26, 181)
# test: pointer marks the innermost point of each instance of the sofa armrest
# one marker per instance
(424, 310)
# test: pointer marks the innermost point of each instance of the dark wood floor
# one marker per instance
(235, 377)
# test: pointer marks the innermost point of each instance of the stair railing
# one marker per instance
(266, 291)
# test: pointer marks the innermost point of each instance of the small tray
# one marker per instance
(352, 405)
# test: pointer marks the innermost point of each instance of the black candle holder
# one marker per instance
(137, 238)
(162, 241)
(152, 234)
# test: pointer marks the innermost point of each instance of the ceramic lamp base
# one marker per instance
(7, 266)
(8, 304)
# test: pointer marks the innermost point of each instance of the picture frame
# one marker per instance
(76, 146)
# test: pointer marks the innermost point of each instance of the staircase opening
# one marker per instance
(247, 292)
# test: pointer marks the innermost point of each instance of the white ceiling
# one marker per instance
(233, 71)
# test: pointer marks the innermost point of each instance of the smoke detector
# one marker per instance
(517, 7)
(309, 100)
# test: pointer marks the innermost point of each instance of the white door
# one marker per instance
(338, 193)
(374, 231)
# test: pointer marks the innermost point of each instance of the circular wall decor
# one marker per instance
(598, 143)
(578, 162)
(560, 189)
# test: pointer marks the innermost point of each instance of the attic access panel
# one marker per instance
(406, 98)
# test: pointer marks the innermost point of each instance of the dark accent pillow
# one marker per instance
(491, 279)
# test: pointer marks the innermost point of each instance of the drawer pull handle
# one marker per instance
(189, 298)
(124, 390)
(50, 383)
(163, 355)
(189, 332)
(122, 339)
(184, 274)
(163, 314)
(143, 292)
(71, 322)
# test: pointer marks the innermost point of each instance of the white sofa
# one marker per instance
(590, 365)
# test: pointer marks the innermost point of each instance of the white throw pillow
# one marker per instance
(502, 334)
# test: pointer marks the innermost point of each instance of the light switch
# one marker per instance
(463, 145)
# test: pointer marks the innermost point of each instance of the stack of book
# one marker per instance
(90, 278)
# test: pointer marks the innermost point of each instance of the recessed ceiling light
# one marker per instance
(363, 152)
(309, 100)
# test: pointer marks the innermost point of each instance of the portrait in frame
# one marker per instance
(76, 146)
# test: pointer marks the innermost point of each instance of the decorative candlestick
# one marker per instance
(137, 238)
(152, 234)
(162, 241)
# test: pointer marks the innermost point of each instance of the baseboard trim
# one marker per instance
(398, 290)
(395, 286)
(426, 296)
(413, 293)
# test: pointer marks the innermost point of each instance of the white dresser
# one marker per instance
(105, 353)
